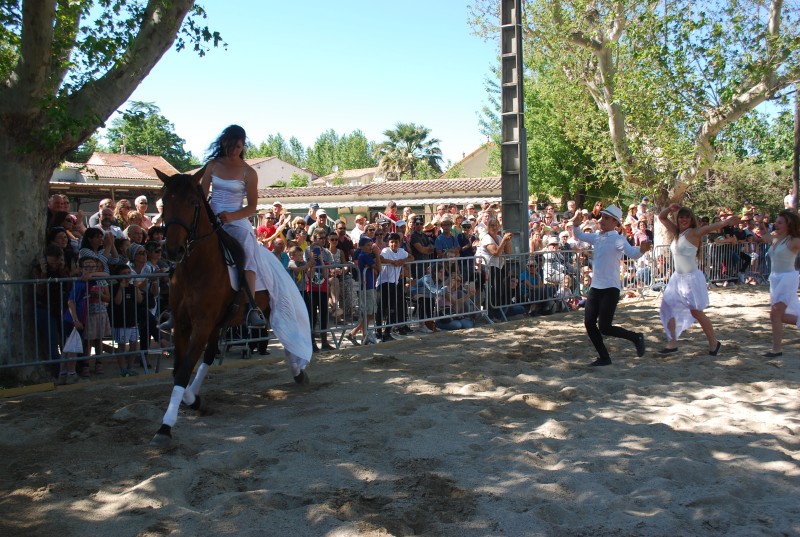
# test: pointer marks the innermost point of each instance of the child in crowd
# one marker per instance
(298, 269)
(123, 312)
(98, 326)
(586, 283)
(76, 316)
(566, 294)
(369, 266)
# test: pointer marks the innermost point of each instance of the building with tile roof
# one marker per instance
(146, 164)
(346, 200)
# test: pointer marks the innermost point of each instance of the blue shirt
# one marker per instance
(365, 263)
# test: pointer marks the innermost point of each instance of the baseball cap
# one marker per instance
(314, 206)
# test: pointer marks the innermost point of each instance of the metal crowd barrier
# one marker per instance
(42, 327)
(542, 282)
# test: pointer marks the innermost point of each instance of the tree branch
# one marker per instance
(99, 98)
(65, 32)
(27, 83)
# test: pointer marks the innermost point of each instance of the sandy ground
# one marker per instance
(498, 430)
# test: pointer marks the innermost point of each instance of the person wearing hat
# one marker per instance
(631, 217)
(446, 244)
(554, 265)
(601, 303)
(422, 245)
(277, 208)
(311, 217)
(405, 238)
(360, 224)
(322, 221)
(468, 244)
(369, 266)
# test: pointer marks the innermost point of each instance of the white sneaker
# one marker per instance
(424, 329)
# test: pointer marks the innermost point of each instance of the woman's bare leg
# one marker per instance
(708, 329)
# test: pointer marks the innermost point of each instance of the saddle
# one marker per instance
(232, 252)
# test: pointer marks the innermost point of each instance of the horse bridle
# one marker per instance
(191, 231)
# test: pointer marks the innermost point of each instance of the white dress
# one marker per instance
(686, 289)
(783, 278)
(288, 315)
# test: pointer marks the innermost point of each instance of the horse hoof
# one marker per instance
(198, 404)
(163, 438)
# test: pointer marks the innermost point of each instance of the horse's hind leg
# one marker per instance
(191, 396)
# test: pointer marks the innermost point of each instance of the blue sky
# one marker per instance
(301, 68)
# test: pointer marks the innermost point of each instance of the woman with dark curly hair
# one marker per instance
(783, 277)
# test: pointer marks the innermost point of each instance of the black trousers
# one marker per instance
(601, 304)
(391, 306)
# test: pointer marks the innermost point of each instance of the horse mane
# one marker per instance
(181, 184)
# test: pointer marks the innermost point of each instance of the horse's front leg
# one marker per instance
(187, 352)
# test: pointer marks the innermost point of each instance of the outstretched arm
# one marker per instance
(663, 217)
(716, 226)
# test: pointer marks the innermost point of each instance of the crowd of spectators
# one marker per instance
(117, 240)
(393, 272)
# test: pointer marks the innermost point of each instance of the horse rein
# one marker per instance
(191, 231)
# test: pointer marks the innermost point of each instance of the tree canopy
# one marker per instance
(407, 150)
(65, 67)
(142, 129)
(665, 78)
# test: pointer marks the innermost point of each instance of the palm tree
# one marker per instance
(407, 145)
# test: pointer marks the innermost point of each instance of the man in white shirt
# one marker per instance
(601, 303)
(361, 225)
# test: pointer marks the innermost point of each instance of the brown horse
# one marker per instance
(201, 299)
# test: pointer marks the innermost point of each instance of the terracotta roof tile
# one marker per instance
(98, 172)
(433, 186)
(144, 163)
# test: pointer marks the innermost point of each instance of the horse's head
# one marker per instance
(183, 211)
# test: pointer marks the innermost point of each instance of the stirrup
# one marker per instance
(255, 318)
(167, 325)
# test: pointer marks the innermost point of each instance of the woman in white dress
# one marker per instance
(686, 295)
(231, 180)
(783, 277)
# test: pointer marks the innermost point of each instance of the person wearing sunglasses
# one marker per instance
(141, 208)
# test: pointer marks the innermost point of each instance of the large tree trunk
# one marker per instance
(33, 139)
(23, 208)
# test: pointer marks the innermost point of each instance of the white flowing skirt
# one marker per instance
(783, 288)
(288, 315)
(684, 292)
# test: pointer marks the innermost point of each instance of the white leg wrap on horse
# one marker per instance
(188, 397)
(194, 387)
(174, 404)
